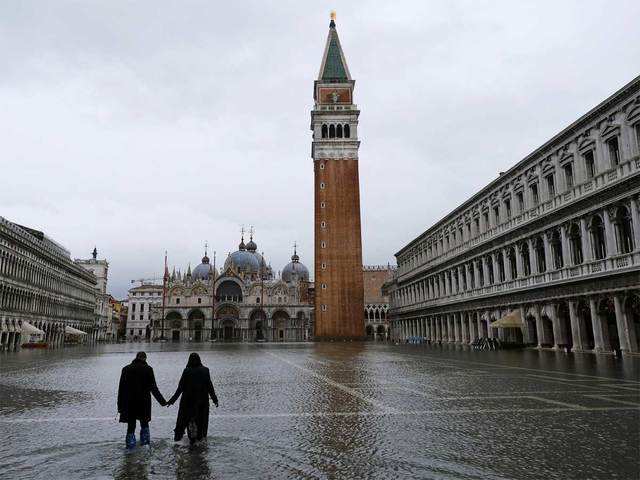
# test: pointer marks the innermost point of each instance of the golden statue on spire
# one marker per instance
(333, 15)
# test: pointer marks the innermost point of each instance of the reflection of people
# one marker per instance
(137, 382)
(195, 387)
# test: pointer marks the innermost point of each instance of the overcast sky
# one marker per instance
(144, 126)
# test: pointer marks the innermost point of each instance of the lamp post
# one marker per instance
(165, 279)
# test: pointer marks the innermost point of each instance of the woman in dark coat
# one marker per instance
(195, 387)
(137, 383)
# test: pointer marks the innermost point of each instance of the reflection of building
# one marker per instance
(41, 285)
(250, 303)
(104, 308)
(548, 253)
(338, 247)
(376, 305)
(140, 301)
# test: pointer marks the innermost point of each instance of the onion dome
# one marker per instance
(295, 271)
(204, 270)
(251, 246)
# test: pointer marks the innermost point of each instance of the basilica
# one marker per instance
(250, 302)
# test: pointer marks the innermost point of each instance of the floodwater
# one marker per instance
(338, 410)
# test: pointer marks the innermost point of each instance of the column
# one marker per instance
(456, 328)
(519, 262)
(555, 321)
(479, 322)
(587, 250)
(623, 326)
(612, 246)
(635, 219)
(449, 329)
(533, 258)
(576, 331)
(596, 322)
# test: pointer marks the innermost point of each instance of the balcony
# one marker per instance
(598, 182)
(586, 270)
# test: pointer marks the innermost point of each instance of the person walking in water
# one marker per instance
(137, 383)
(196, 387)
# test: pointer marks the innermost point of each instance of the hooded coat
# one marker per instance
(137, 383)
(196, 387)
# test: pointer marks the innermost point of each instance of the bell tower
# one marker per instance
(339, 289)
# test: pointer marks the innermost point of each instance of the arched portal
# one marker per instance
(173, 322)
(632, 309)
(228, 317)
(196, 323)
(564, 323)
(548, 339)
(229, 291)
(280, 320)
(531, 328)
(586, 325)
(369, 331)
(257, 324)
(607, 313)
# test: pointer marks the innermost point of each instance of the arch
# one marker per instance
(632, 310)
(332, 131)
(227, 311)
(624, 229)
(196, 324)
(556, 249)
(607, 313)
(347, 131)
(369, 331)
(575, 243)
(598, 239)
(280, 321)
(325, 130)
(511, 255)
(585, 323)
(564, 325)
(229, 291)
(526, 259)
(339, 130)
(530, 322)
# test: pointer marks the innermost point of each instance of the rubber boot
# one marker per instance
(145, 436)
(130, 441)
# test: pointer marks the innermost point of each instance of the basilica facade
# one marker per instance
(243, 301)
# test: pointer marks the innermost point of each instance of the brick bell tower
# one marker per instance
(339, 289)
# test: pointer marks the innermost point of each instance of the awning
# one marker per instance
(28, 329)
(511, 320)
(73, 331)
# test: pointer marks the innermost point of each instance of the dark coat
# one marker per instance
(137, 383)
(195, 387)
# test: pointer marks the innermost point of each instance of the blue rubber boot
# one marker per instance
(130, 441)
(145, 436)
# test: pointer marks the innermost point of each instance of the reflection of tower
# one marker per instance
(339, 286)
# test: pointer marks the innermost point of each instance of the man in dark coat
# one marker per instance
(195, 387)
(137, 382)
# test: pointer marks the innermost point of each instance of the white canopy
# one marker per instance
(28, 329)
(511, 320)
(73, 331)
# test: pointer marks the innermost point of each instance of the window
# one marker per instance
(526, 260)
(177, 301)
(258, 300)
(332, 131)
(477, 225)
(598, 238)
(540, 255)
(325, 132)
(323, 266)
(199, 300)
(322, 166)
(636, 127)
(556, 250)
(575, 244)
(500, 261)
(535, 198)
(323, 244)
(133, 308)
(551, 186)
(339, 131)
(139, 331)
(512, 263)
(321, 185)
(496, 214)
(489, 261)
(323, 224)
(324, 286)
(520, 200)
(589, 164)
(568, 175)
(614, 151)
(141, 317)
(131, 331)
(323, 308)
(485, 219)
(624, 230)
(322, 204)
(507, 208)
(480, 274)
(347, 131)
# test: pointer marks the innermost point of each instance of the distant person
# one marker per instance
(195, 387)
(137, 382)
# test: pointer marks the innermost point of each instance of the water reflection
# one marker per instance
(192, 461)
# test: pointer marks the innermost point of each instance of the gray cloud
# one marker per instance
(145, 126)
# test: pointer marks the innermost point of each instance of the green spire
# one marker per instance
(334, 67)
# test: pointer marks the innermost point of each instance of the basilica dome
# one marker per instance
(202, 271)
(295, 270)
(242, 260)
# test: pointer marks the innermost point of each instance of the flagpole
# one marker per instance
(213, 295)
(165, 278)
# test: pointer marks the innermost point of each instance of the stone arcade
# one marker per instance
(554, 243)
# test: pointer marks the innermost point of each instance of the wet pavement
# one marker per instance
(329, 411)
